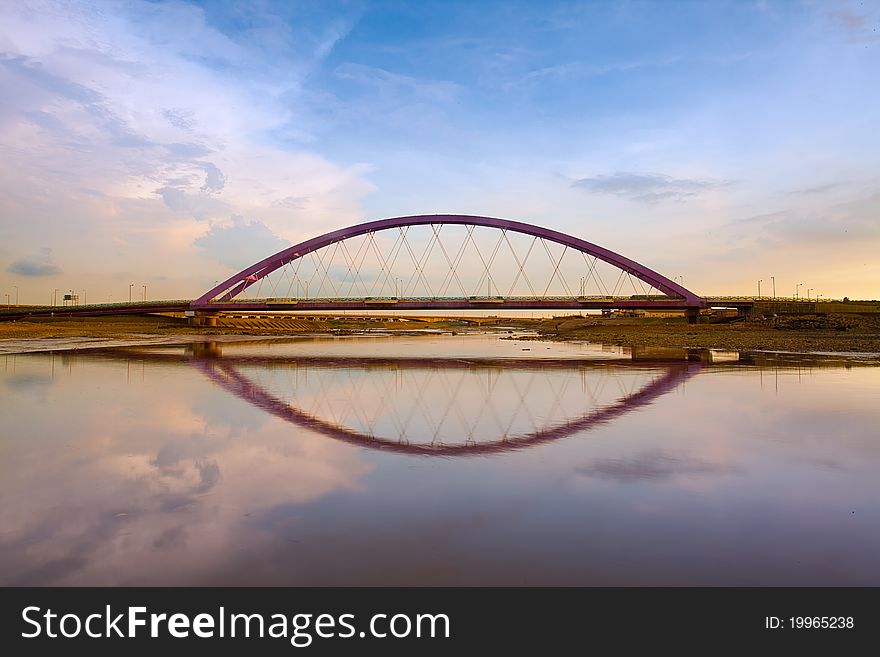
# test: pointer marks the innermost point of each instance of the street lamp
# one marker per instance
(809, 289)
(796, 290)
(55, 297)
(130, 286)
(145, 292)
(7, 298)
(759, 287)
(773, 278)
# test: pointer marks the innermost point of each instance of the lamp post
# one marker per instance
(759, 287)
(7, 299)
(796, 290)
(145, 292)
(773, 278)
(55, 297)
(809, 289)
(130, 286)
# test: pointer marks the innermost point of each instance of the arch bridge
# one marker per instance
(447, 262)
(435, 262)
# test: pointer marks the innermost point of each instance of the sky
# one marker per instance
(170, 144)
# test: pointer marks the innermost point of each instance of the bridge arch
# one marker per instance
(234, 285)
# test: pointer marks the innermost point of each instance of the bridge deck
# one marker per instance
(358, 304)
(458, 304)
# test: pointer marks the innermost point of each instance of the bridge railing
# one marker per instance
(549, 297)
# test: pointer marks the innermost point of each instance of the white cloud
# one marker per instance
(240, 244)
(117, 119)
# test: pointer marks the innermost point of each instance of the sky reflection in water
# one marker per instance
(426, 460)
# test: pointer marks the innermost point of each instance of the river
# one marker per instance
(486, 459)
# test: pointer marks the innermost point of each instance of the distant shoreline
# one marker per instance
(845, 334)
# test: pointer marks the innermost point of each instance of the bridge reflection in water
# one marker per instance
(440, 406)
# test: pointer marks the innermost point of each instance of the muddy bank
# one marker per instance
(800, 334)
(843, 334)
(103, 332)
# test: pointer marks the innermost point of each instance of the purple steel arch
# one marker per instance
(236, 284)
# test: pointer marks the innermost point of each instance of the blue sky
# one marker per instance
(170, 143)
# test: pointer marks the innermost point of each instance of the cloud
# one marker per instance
(180, 117)
(647, 187)
(652, 464)
(393, 84)
(215, 181)
(199, 206)
(188, 150)
(241, 244)
(37, 264)
(818, 189)
(853, 221)
(120, 126)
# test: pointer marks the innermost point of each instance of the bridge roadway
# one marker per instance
(743, 304)
(349, 304)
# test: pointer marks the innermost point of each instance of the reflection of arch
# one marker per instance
(222, 371)
(236, 284)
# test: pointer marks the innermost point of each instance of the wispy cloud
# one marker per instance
(648, 187)
(394, 84)
(853, 222)
(120, 124)
(818, 189)
(36, 264)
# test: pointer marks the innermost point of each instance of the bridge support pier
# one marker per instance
(693, 315)
(203, 318)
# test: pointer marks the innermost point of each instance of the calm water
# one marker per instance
(459, 460)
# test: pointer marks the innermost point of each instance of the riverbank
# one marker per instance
(840, 334)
